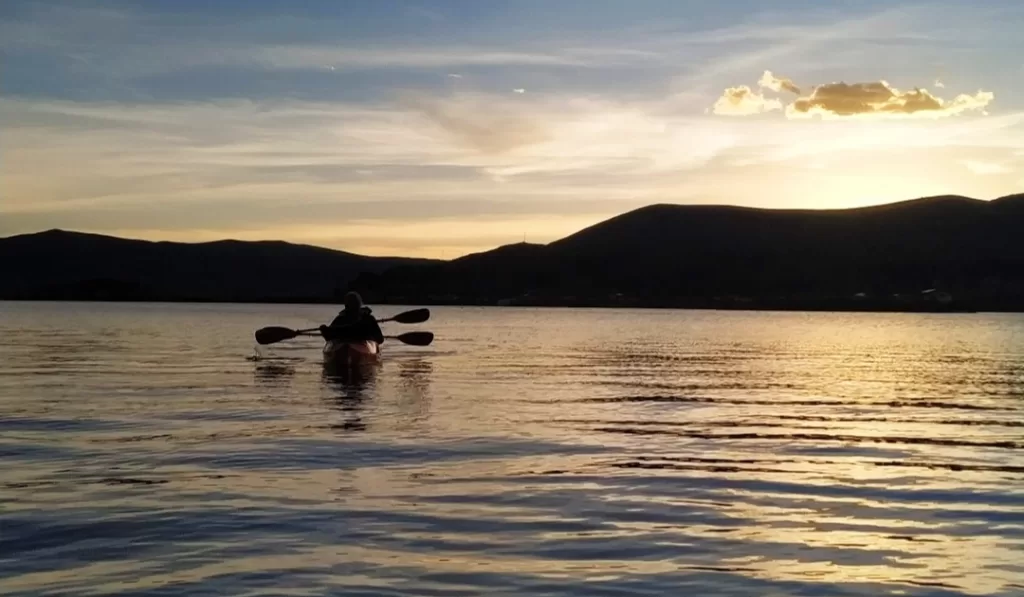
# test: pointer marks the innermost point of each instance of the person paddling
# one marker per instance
(355, 322)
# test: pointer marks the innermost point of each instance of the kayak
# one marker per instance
(342, 353)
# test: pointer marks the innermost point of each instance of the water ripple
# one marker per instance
(144, 449)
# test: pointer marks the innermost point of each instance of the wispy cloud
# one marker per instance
(244, 149)
(480, 122)
(139, 45)
(343, 58)
(811, 37)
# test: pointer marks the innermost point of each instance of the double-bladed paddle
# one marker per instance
(272, 334)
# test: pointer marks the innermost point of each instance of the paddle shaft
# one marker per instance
(274, 334)
(415, 338)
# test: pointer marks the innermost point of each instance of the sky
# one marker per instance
(394, 127)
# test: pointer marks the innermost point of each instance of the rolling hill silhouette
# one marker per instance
(70, 265)
(700, 255)
(660, 255)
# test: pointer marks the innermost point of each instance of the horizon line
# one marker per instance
(638, 209)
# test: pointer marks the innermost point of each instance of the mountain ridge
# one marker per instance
(657, 255)
(712, 255)
(60, 233)
(652, 206)
(58, 264)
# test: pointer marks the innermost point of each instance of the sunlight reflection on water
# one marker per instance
(575, 452)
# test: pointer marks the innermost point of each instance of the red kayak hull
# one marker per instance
(348, 354)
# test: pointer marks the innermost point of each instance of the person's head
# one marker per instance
(353, 302)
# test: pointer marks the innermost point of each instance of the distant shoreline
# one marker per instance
(815, 307)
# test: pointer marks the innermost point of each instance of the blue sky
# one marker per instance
(441, 128)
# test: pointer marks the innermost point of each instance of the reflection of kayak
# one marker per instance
(347, 354)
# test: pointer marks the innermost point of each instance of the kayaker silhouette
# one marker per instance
(354, 323)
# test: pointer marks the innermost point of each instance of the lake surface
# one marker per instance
(527, 452)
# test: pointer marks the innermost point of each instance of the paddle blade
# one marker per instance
(274, 334)
(414, 316)
(415, 338)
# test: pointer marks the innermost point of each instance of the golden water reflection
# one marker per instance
(527, 451)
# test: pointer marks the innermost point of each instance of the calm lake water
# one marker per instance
(527, 452)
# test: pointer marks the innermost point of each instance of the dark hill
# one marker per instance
(69, 265)
(660, 255)
(686, 255)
